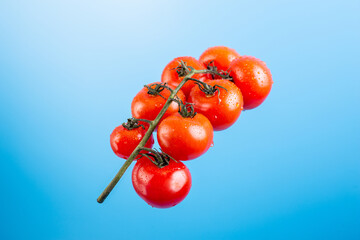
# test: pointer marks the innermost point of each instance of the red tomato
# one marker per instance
(185, 138)
(161, 187)
(223, 107)
(171, 76)
(253, 78)
(123, 141)
(147, 106)
(220, 57)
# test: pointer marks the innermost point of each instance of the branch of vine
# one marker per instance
(190, 71)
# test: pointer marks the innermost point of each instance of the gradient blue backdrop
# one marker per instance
(289, 169)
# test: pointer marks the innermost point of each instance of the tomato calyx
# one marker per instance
(213, 70)
(133, 123)
(156, 89)
(208, 89)
(182, 69)
(160, 159)
(186, 110)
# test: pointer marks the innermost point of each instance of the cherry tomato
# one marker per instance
(219, 56)
(161, 187)
(147, 104)
(124, 141)
(222, 107)
(171, 76)
(253, 78)
(185, 138)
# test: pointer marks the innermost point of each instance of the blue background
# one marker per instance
(289, 169)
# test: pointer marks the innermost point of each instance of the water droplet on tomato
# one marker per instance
(212, 144)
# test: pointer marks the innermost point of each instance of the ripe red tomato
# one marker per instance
(185, 138)
(124, 141)
(147, 105)
(161, 187)
(253, 78)
(171, 76)
(223, 107)
(220, 57)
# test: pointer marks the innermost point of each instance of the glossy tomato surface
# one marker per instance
(185, 138)
(253, 78)
(171, 77)
(124, 141)
(219, 56)
(148, 106)
(222, 109)
(161, 187)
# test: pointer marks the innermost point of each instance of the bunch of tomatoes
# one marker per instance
(211, 99)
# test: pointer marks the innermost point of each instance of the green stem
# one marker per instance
(148, 134)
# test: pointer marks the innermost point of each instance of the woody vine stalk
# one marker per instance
(188, 71)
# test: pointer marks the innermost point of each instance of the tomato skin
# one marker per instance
(170, 76)
(221, 57)
(185, 138)
(161, 187)
(124, 141)
(253, 78)
(224, 113)
(147, 106)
